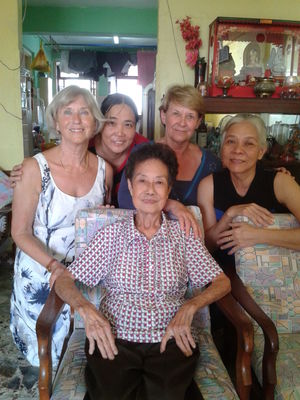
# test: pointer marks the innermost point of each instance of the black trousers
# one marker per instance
(140, 372)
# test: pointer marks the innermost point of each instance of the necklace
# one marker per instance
(86, 164)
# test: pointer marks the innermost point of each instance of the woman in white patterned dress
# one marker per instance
(55, 184)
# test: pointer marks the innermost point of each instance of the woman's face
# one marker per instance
(118, 133)
(180, 122)
(75, 121)
(241, 149)
(149, 186)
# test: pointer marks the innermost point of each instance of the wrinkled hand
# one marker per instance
(16, 175)
(56, 270)
(260, 216)
(180, 329)
(185, 218)
(240, 235)
(98, 331)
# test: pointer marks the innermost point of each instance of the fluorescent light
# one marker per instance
(116, 39)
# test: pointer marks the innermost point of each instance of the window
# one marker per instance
(65, 80)
(124, 84)
(128, 85)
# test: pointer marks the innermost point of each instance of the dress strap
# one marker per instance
(43, 165)
(196, 176)
(44, 169)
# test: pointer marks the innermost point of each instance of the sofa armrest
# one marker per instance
(244, 330)
(271, 347)
(44, 328)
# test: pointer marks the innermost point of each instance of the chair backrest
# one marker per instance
(272, 277)
(87, 223)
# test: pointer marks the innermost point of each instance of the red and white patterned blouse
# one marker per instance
(145, 280)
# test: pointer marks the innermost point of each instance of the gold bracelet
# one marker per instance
(49, 265)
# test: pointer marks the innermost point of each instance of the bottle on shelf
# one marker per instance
(201, 136)
(200, 68)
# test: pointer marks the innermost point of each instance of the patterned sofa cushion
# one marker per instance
(211, 375)
(272, 277)
(69, 384)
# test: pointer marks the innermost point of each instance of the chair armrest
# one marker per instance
(244, 330)
(44, 328)
(271, 346)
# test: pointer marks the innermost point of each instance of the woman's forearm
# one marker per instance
(289, 238)
(66, 289)
(32, 246)
(219, 287)
(97, 327)
(212, 234)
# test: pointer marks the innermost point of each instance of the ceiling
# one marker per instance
(94, 3)
(78, 41)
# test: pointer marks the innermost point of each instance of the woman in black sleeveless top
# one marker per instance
(243, 187)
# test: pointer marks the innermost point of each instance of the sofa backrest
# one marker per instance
(87, 223)
(272, 277)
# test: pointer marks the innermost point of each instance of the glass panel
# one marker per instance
(247, 49)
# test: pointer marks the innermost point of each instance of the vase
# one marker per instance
(264, 87)
(200, 68)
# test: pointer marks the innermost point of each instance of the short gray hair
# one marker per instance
(67, 96)
(253, 119)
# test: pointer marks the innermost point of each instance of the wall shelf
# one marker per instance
(233, 105)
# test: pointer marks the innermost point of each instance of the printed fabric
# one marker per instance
(145, 281)
(54, 227)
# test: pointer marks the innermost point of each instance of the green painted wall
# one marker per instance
(84, 21)
(104, 20)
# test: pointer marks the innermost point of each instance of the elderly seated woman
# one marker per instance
(141, 344)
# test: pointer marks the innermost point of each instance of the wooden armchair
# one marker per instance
(211, 375)
(267, 285)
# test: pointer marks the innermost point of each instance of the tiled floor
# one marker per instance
(18, 380)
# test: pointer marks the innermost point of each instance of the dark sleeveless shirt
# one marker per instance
(261, 192)
(186, 191)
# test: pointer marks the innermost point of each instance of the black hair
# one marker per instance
(118, 98)
(153, 151)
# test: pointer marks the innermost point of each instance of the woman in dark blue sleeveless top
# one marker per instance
(181, 112)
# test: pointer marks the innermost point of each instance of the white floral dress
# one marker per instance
(54, 227)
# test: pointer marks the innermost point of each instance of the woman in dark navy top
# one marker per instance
(245, 188)
(181, 112)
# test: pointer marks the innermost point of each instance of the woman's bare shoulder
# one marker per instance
(31, 176)
(30, 165)
(286, 188)
(207, 181)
